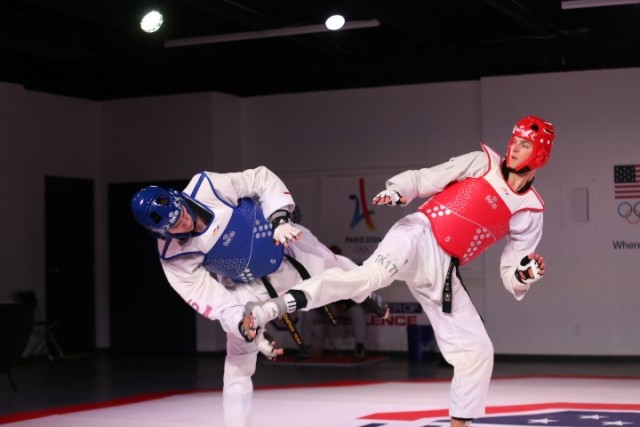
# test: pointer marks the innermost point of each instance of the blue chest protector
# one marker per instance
(246, 250)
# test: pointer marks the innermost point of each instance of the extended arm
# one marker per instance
(406, 186)
(259, 183)
(265, 186)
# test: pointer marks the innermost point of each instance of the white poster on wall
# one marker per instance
(353, 223)
(356, 227)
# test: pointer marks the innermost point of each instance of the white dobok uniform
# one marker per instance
(238, 247)
(470, 207)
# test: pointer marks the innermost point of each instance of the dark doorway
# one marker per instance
(70, 261)
(147, 315)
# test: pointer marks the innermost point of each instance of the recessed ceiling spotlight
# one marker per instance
(334, 22)
(151, 22)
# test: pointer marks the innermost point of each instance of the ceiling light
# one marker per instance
(334, 22)
(583, 4)
(151, 22)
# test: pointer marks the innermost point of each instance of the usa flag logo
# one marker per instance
(551, 415)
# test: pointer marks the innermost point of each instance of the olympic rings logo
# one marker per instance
(630, 213)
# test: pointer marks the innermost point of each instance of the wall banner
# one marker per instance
(353, 223)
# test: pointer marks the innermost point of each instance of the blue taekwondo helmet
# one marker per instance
(158, 209)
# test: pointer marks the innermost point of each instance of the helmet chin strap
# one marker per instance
(506, 170)
(519, 172)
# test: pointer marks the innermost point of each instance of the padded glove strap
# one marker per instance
(279, 217)
(266, 344)
(392, 196)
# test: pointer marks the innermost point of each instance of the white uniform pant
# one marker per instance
(237, 391)
(410, 253)
(464, 343)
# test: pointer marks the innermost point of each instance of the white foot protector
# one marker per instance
(264, 312)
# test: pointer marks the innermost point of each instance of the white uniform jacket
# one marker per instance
(525, 227)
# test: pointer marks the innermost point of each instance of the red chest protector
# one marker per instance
(473, 214)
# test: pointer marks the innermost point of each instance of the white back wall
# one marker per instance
(581, 305)
(157, 138)
(590, 295)
(172, 138)
(322, 143)
(41, 135)
(391, 127)
(585, 304)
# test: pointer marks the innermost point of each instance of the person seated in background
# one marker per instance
(318, 328)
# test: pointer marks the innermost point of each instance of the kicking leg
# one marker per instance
(379, 270)
(330, 286)
(384, 266)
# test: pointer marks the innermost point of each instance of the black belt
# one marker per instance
(447, 291)
(304, 274)
(286, 318)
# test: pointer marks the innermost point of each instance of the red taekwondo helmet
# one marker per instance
(541, 134)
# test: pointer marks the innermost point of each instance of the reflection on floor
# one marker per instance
(392, 385)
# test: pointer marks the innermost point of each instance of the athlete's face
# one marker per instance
(185, 223)
(520, 152)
